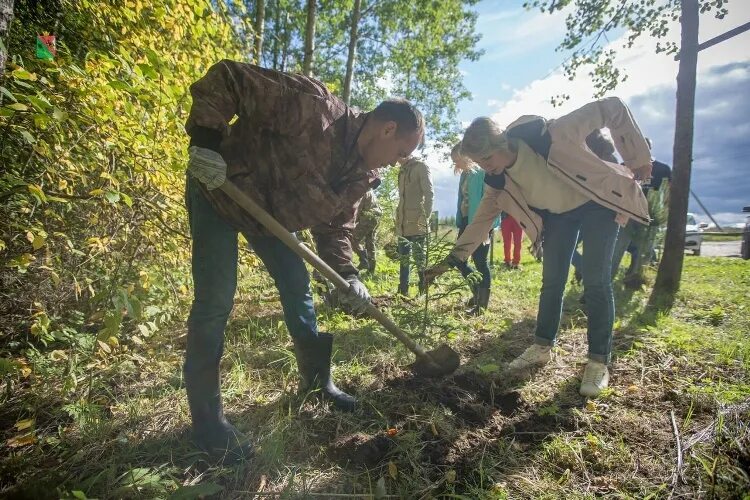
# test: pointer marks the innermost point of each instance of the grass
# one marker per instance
(86, 424)
(723, 237)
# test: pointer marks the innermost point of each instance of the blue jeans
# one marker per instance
(598, 232)
(405, 246)
(214, 266)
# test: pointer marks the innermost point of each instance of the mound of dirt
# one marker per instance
(361, 449)
(469, 395)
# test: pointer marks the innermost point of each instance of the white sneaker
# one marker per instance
(534, 355)
(595, 379)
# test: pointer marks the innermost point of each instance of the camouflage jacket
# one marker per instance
(290, 145)
(369, 206)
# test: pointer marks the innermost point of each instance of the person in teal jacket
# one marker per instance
(470, 190)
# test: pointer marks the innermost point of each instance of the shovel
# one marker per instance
(440, 361)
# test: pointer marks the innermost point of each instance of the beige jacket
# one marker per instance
(609, 184)
(414, 198)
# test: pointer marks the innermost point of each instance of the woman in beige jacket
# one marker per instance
(542, 173)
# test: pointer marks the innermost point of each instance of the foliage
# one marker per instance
(405, 48)
(93, 230)
(590, 21)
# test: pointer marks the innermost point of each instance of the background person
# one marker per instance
(415, 196)
(368, 216)
(512, 236)
(470, 191)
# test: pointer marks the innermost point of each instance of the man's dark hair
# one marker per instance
(407, 117)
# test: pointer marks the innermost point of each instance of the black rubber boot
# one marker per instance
(483, 300)
(314, 363)
(472, 302)
(211, 430)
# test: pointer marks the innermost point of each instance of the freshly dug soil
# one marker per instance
(362, 450)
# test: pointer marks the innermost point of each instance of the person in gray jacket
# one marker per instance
(546, 165)
(415, 197)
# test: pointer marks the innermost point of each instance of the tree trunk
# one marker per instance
(6, 16)
(276, 33)
(353, 34)
(260, 14)
(309, 39)
(670, 267)
(285, 42)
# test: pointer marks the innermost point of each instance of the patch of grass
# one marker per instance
(116, 424)
(721, 237)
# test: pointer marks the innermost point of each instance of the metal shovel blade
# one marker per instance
(436, 363)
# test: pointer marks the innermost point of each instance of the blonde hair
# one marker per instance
(484, 137)
(461, 163)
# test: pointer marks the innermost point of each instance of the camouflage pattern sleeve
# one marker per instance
(334, 242)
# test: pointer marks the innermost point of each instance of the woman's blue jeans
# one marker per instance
(598, 232)
(214, 266)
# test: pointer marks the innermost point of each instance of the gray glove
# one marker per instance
(356, 298)
(207, 166)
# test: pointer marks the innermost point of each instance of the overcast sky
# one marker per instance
(521, 70)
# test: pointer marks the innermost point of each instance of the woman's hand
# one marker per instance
(431, 273)
(642, 173)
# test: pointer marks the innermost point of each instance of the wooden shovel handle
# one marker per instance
(309, 256)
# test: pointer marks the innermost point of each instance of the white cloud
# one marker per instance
(728, 219)
(645, 69)
(510, 33)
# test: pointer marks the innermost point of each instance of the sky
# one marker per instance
(521, 70)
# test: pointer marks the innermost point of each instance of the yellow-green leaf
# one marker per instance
(24, 424)
(7, 93)
(21, 440)
(112, 196)
(58, 355)
(392, 470)
(27, 135)
(126, 199)
(37, 240)
(59, 115)
(39, 102)
(17, 106)
(22, 74)
(37, 192)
